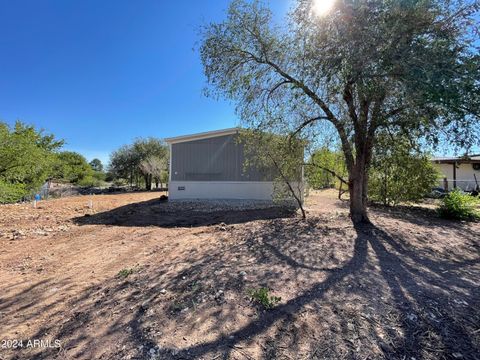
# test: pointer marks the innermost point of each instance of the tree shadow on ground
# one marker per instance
(183, 214)
(351, 292)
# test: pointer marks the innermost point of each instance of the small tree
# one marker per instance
(399, 173)
(279, 157)
(156, 168)
(123, 164)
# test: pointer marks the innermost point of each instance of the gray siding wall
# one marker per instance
(218, 158)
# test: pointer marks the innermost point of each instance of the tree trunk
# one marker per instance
(357, 187)
(148, 184)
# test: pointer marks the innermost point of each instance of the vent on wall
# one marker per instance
(181, 188)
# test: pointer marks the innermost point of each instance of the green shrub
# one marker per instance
(74, 168)
(262, 297)
(26, 159)
(10, 193)
(399, 173)
(90, 181)
(125, 273)
(100, 176)
(459, 205)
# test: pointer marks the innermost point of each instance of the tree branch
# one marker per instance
(327, 170)
(312, 95)
(272, 90)
(348, 97)
(306, 123)
(287, 181)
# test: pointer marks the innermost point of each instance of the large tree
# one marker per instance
(409, 67)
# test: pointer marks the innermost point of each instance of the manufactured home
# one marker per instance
(211, 165)
(459, 172)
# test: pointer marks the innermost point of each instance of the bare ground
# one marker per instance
(406, 287)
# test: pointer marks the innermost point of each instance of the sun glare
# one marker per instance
(322, 7)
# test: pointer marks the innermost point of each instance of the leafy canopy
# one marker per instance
(27, 156)
(72, 167)
(368, 65)
(96, 165)
(278, 158)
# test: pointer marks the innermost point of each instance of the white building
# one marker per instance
(210, 165)
(459, 172)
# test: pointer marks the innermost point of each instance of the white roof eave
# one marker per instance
(203, 135)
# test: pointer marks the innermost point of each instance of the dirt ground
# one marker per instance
(129, 277)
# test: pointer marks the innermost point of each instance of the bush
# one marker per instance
(124, 273)
(460, 206)
(26, 159)
(262, 297)
(90, 181)
(399, 173)
(10, 193)
(100, 176)
(74, 168)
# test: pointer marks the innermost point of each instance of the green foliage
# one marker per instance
(460, 206)
(95, 179)
(124, 273)
(99, 176)
(96, 165)
(74, 168)
(399, 173)
(26, 159)
(10, 193)
(263, 297)
(89, 181)
(123, 163)
(145, 160)
(277, 157)
(316, 170)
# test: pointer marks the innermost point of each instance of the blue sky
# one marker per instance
(100, 73)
